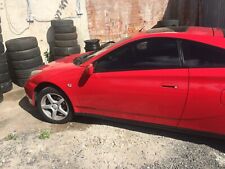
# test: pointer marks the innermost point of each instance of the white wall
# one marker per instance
(14, 19)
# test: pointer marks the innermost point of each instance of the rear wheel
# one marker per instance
(54, 106)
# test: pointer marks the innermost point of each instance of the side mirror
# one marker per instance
(89, 69)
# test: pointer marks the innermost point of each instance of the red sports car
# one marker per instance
(166, 76)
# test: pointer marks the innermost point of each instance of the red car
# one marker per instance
(166, 76)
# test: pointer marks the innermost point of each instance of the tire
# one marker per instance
(165, 23)
(21, 44)
(3, 58)
(93, 48)
(65, 29)
(65, 36)
(60, 51)
(23, 74)
(1, 96)
(49, 90)
(68, 43)
(20, 82)
(57, 23)
(1, 38)
(92, 45)
(6, 86)
(92, 41)
(2, 47)
(4, 68)
(51, 56)
(57, 57)
(24, 55)
(4, 77)
(27, 64)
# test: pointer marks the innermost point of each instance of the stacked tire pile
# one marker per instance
(92, 45)
(5, 80)
(24, 56)
(65, 39)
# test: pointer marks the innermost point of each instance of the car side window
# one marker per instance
(154, 53)
(118, 60)
(199, 55)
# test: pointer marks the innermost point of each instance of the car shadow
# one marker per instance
(214, 143)
(25, 105)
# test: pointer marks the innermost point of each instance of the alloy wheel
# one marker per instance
(54, 106)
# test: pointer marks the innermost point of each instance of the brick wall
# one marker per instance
(113, 20)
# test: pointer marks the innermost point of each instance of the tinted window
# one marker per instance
(157, 53)
(202, 55)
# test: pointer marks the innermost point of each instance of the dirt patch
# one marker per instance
(70, 126)
(3, 123)
(92, 148)
(18, 116)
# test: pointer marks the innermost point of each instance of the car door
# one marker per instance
(143, 81)
(205, 108)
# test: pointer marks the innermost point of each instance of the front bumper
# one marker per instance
(30, 91)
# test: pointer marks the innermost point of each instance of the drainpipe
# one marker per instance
(78, 8)
(30, 18)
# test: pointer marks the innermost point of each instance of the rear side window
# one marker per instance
(199, 55)
(157, 53)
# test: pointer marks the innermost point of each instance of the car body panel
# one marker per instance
(143, 93)
(60, 73)
(206, 87)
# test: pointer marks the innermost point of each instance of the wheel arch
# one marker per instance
(48, 84)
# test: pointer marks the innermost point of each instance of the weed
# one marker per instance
(45, 134)
(11, 136)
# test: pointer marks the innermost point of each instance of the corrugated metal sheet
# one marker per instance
(186, 11)
(212, 13)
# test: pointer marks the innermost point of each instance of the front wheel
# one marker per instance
(54, 106)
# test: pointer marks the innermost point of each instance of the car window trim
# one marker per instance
(181, 52)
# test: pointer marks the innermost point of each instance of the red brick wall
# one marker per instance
(113, 20)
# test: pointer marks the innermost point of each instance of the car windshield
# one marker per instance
(84, 58)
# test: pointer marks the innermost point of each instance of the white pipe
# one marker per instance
(29, 12)
(78, 8)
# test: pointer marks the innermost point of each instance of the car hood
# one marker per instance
(67, 59)
(61, 69)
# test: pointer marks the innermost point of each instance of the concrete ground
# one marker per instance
(93, 143)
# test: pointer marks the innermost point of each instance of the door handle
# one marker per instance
(170, 86)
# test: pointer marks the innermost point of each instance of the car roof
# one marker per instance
(206, 35)
(190, 30)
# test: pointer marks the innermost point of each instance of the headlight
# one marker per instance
(35, 72)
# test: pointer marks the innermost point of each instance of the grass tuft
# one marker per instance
(11, 136)
(45, 134)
